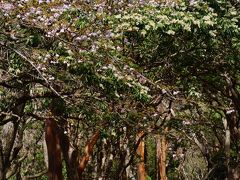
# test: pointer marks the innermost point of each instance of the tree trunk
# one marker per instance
(2, 174)
(121, 173)
(227, 143)
(70, 155)
(54, 150)
(141, 172)
(45, 151)
(103, 159)
(231, 125)
(109, 163)
(234, 173)
(129, 172)
(161, 146)
(158, 158)
(2, 169)
(88, 151)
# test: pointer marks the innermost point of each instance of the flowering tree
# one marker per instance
(86, 74)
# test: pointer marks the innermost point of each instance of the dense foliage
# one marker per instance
(112, 75)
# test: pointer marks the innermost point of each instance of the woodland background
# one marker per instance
(128, 89)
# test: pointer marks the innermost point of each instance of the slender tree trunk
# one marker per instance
(141, 172)
(109, 163)
(54, 151)
(70, 155)
(96, 167)
(227, 143)
(122, 174)
(231, 133)
(129, 172)
(158, 146)
(231, 126)
(88, 151)
(103, 159)
(2, 174)
(161, 145)
(45, 150)
(2, 170)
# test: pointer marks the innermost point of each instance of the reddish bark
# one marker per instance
(141, 172)
(161, 145)
(54, 151)
(88, 151)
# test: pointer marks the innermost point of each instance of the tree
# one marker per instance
(194, 48)
(88, 70)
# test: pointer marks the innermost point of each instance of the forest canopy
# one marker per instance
(140, 89)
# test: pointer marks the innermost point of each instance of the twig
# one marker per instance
(36, 175)
(9, 119)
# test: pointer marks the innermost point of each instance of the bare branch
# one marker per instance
(35, 175)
